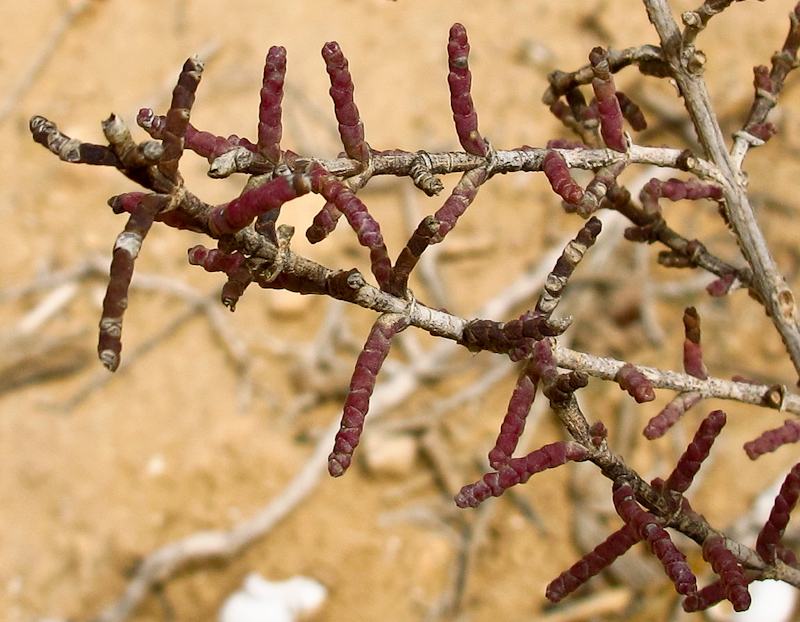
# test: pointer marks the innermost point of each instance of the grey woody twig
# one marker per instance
(252, 247)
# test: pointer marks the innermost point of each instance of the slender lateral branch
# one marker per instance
(775, 294)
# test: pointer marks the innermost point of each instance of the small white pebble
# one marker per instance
(260, 600)
(156, 465)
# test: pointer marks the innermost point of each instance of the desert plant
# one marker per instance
(252, 247)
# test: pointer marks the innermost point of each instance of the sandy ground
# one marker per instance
(212, 415)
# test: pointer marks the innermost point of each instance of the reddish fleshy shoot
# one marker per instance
(366, 227)
(126, 249)
(232, 264)
(324, 223)
(519, 470)
(689, 463)
(701, 600)
(635, 383)
(631, 112)
(362, 384)
(732, 578)
(647, 528)
(671, 413)
(769, 544)
(721, 286)
(239, 213)
(771, 440)
(177, 120)
(270, 128)
(692, 350)
(557, 172)
(214, 260)
(591, 564)
(514, 422)
(342, 91)
(459, 80)
(608, 105)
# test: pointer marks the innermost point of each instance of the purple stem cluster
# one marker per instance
(642, 525)
(645, 525)
(362, 384)
(460, 81)
(732, 579)
(366, 227)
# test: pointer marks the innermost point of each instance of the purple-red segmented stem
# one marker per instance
(692, 350)
(366, 227)
(669, 415)
(514, 422)
(557, 172)
(701, 600)
(769, 543)
(631, 112)
(178, 117)
(635, 383)
(362, 384)
(126, 249)
(236, 215)
(214, 260)
(569, 259)
(270, 129)
(698, 450)
(771, 440)
(519, 470)
(608, 105)
(232, 264)
(591, 564)
(658, 540)
(459, 80)
(324, 223)
(459, 200)
(342, 90)
(732, 577)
